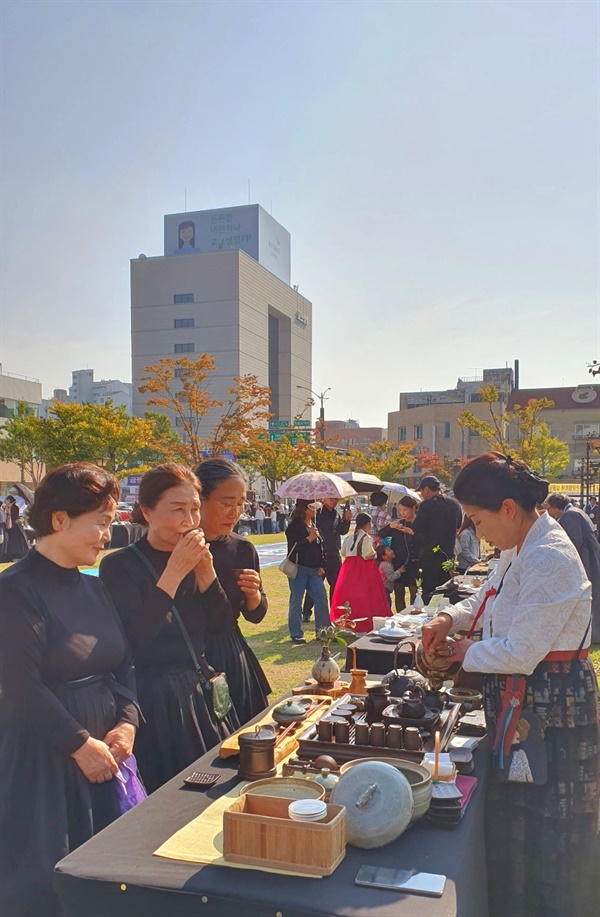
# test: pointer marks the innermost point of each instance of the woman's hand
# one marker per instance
(435, 632)
(321, 572)
(95, 761)
(249, 583)
(204, 570)
(458, 648)
(186, 554)
(313, 532)
(120, 741)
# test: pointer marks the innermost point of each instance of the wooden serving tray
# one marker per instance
(309, 746)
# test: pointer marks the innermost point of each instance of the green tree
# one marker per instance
(22, 441)
(520, 432)
(385, 459)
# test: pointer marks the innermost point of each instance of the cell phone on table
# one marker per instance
(402, 880)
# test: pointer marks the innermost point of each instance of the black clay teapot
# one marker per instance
(402, 678)
(412, 703)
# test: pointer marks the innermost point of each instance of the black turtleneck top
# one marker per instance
(57, 625)
(151, 628)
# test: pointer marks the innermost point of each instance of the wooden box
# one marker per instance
(257, 830)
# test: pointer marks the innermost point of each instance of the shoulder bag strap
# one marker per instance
(201, 667)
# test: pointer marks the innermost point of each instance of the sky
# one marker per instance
(436, 163)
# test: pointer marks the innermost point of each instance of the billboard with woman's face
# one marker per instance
(250, 228)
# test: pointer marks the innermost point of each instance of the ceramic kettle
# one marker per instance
(403, 679)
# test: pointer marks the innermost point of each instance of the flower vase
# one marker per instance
(325, 671)
(418, 604)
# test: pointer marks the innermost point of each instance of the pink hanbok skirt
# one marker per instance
(359, 583)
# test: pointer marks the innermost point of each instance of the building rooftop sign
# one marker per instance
(249, 227)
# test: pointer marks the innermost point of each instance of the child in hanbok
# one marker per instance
(359, 582)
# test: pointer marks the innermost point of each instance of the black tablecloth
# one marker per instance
(115, 873)
(375, 655)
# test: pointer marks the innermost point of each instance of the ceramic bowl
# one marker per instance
(284, 715)
(285, 787)
(378, 800)
(468, 698)
(417, 775)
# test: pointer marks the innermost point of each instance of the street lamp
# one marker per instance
(322, 399)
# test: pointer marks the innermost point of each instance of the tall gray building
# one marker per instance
(222, 287)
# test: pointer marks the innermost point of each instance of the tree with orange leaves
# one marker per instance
(182, 386)
(443, 467)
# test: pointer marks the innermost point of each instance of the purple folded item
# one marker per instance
(130, 789)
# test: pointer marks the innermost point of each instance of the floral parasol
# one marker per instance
(315, 485)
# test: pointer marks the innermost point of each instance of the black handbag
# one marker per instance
(214, 684)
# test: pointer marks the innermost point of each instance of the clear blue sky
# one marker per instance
(435, 162)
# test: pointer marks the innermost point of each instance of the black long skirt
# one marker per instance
(17, 545)
(47, 807)
(542, 841)
(248, 685)
(179, 726)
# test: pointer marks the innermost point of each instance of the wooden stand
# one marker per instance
(311, 686)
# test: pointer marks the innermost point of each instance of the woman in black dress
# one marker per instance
(67, 710)
(237, 567)
(16, 542)
(175, 570)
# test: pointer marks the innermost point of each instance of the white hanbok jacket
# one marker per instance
(544, 605)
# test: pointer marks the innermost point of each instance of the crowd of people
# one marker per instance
(141, 670)
(146, 658)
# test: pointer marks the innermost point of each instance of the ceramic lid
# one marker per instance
(379, 803)
(291, 709)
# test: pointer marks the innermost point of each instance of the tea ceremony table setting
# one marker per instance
(337, 791)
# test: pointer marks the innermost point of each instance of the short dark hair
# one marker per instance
(75, 489)
(299, 510)
(155, 482)
(558, 501)
(489, 479)
(213, 472)
(378, 498)
(409, 501)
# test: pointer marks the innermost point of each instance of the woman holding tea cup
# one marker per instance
(238, 570)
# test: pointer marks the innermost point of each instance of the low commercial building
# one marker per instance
(575, 420)
(15, 388)
(348, 434)
(430, 419)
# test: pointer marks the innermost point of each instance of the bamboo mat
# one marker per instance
(230, 746)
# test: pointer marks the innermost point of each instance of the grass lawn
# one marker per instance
(284, 663)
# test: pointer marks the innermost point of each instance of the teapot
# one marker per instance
(402, 678)
(412, 703)
(436, 668)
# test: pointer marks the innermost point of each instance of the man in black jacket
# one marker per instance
(438, 519)
(331, 526)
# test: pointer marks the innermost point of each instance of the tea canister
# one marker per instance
(257, 753)
(326, 779)
(379, 803)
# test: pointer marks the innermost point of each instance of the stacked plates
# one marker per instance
(307, 810)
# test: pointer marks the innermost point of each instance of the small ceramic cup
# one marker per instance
(393, 736)
(341, 732)
(412, 739)
(325, 730)
(361, 735)
(377, 736)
